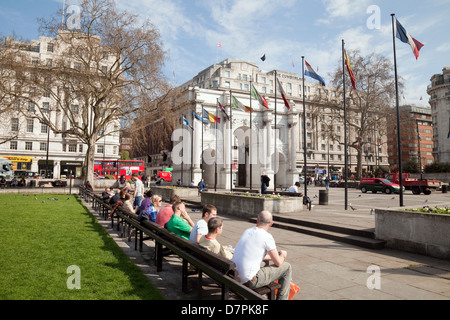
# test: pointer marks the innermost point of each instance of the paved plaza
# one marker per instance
(326, 269)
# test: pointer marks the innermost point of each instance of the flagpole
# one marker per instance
(250, 147)
(304, 127)
(345, 131)
(182, 157)
(201, 153)
(275, 138)
(399, 146)
(215, 162)
(231, 142)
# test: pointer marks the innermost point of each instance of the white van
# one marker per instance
(6, 170)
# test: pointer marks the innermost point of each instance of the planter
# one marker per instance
(167, 192)
(246, 206)
(423, 233)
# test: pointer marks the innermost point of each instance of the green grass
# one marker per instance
(39, 241)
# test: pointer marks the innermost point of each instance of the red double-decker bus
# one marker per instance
(116, 168)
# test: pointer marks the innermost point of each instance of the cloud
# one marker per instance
(343, 9)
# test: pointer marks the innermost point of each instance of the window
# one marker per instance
(227, 74)
(13, 145)
(14, 124)
(28, 145)
(44, 128)
(43, 146)
(72, 148)
(49, 47)
(80, 148)
(100, 148)
(31, 106)
(263, 79)
(30, 125)
(74, 108)
(45, 107)
(227, 84)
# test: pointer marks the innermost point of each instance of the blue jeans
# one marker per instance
(137, 201)
(263, 188)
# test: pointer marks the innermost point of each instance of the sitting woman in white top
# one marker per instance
(255, 246)
(209, 241)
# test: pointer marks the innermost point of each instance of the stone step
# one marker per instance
(320, 230)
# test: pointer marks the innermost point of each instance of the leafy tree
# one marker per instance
(99, 76)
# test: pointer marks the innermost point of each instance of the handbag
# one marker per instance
(294, 289)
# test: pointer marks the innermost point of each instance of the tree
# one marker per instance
(101, 74)
(369, 105)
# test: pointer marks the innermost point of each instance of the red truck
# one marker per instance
(416, 185)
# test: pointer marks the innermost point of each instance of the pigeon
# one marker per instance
(35, 198)
(371, 211)
(426, 200)
(351, 206)
(359, 196)
(43, 201)
(392, 198)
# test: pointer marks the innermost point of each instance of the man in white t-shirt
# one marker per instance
(201, 227)
(255, 246)
(294, 188)
(138, 190)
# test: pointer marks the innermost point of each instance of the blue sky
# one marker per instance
(282, 30)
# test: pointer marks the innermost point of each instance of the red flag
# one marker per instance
(283, 95)
(350, 71)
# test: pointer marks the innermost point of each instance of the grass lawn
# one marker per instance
(39, 241)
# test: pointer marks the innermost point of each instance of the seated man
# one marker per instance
(166, 212)
(294, 188)
(180, 223)
(255, 246)
(209, 241)
(201, 227)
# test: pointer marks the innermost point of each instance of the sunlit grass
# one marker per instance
(40, 240)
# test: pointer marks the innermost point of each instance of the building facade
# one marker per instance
(31, 144)
(439, 91)
(416, 129)
(269, 140)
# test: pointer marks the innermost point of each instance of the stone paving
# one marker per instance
(330, 270)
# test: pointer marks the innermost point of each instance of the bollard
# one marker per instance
(444, 188)
(323, 197)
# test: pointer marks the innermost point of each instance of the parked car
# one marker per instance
(378, 184)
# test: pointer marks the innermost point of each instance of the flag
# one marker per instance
(350, 71)
(219, 44)
(311, 73)
(378, 140)
(237, 105)
(221, 108)
(210, 117)
(404, 36)
(283, 95)
(257, 96)
(200, 118)
(263, 58)
(186, 123)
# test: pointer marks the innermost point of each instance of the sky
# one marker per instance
(283, 30)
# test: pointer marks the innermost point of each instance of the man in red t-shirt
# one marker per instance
(166, 212)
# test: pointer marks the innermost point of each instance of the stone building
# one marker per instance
(439, 91)
(275, 145)
(29, 143)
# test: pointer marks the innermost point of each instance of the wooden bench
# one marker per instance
(218, 268)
